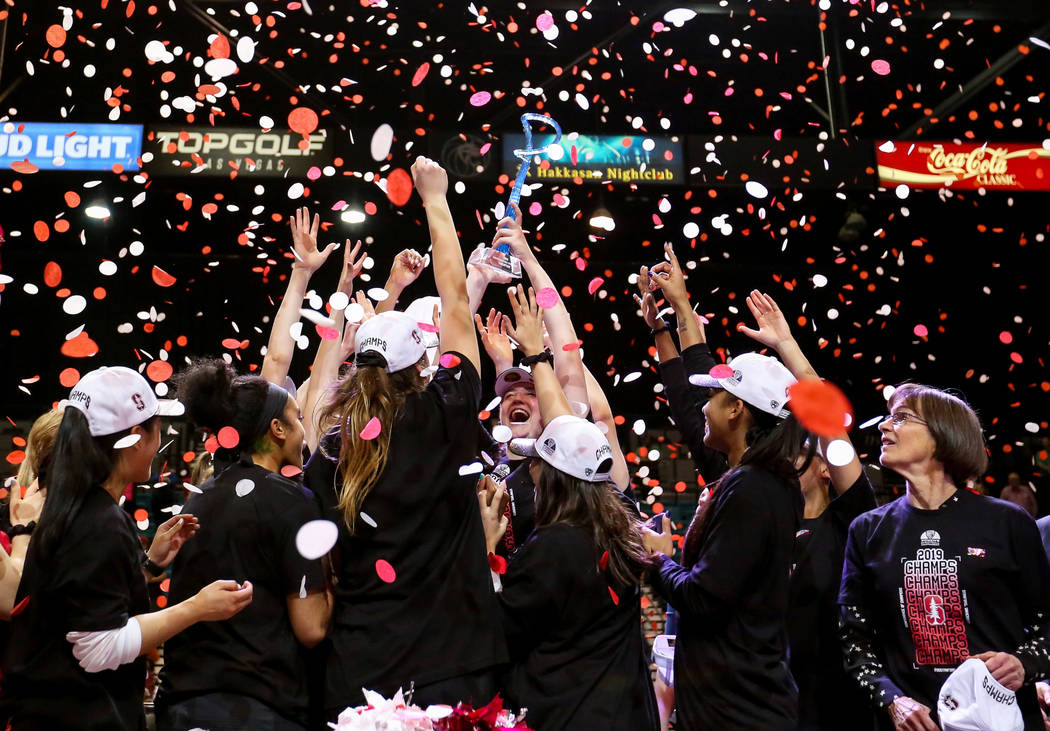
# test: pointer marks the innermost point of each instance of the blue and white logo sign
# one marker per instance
(71, 146)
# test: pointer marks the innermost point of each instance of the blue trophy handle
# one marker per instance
(525, 154)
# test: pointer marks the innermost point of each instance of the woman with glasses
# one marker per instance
(942, 573)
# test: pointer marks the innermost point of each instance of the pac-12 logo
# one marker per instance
(934, 609)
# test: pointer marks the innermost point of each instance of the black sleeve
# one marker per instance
(297, 572)
(457, 393)
(734, 546)
(532, 595)
(686, 401)
(1034, 601)
(856, 628)
(93, 579)
(858, 499)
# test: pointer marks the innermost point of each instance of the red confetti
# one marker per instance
(450, 360)
(141, 515)
(55, 36)
(69, 377)
(228, 437)
(41, 231)
(302, 120)
(80, 347)
(385, 571)
(220, 47)
(721, 371)
(211, 445)
(372, 429)
(820, 406)
(547, 298)
(327, 333)
(604, 561)
(159, 371)
(497, 564)
(20, 607)
(921, 331)
(1005, 337)
(421, 73)
(882, 68)
(290, 471)
(399, 186)
(161, 278)
(480, 99)
(544, 21)
(231, 343)
(616, 599)
(427, 327)
(594, 285)
(569, 347)
(52, 274)
(16, 456)
(25, 167)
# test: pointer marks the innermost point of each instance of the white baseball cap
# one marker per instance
(422, 311)
(393, 335)
(115, 399)
(512, 377)
(758, 379)
(972, 700)
(571, 444)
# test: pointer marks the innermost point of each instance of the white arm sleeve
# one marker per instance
(107, 649)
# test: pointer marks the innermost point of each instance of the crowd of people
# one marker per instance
(466, 562)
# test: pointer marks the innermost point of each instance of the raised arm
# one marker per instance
(602, 413)
(457, 327)
(329, 353)
(407, 267)
(669, 277)
(568, 365)
(308, 260)
(527, 330)
(494, 339)
(665, 349)
(774, 332)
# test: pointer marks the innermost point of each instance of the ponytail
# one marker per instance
(79, 463)
(367, 392)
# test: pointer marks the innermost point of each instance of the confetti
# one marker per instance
(547, 298)
(820, 406)
(161, 278)
(502, 433)
(243, 487)
(372, 429)
(480, 99)
(449, 360)
(228, 437)
(399, 187)
(302, 120)
(382, 139)
(315, 538)
(881, 67)
(497, 564)
(839, 453)
(385, 571)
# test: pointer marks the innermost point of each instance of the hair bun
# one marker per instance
(205, 387)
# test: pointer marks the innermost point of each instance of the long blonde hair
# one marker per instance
(367, 392)
(38, 447)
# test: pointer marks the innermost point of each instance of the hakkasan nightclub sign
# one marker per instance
(599, 158)
(234, 150)
(70, 145)
(939, 164)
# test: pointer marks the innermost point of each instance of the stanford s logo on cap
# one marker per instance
(139, 403)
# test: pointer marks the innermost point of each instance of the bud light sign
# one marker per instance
(71, 146)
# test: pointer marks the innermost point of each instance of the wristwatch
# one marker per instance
(151, 566)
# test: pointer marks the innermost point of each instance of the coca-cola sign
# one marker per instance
(996, 166)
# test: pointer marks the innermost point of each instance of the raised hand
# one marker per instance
(352, 267)
(528, 320)
(488, 274)
(668, 276)
(491, 500)
(304, 242)
(495, 340)
(647, 302)
(510, 233)
(407, 267)
(773, 330)
(170, 536)
(430, 179)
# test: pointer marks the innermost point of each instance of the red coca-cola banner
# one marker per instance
(1005, 166)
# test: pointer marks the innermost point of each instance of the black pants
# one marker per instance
(222, 712)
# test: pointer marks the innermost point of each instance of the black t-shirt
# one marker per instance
(730, 664)
(92, 582)
(578, 657)
(922, 590)
(521, 508)
(249, 536)
(826, 694)
(435, 619)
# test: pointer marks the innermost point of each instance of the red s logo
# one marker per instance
(934, 610)
(139, 403)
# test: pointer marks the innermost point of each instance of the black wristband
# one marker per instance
(152, 568)
(21, 530)
(530, 360)
(659, 329)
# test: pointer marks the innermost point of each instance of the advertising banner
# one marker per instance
(225, 150)
(600, 158)
(70, 145)
(996, 166)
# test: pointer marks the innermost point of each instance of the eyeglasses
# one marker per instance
(903, 416)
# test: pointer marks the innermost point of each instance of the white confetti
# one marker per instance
(755, 189)
(839, 453)
(382, 139)
(339, 300)
(316, 538)
(473, 468)
(378, 294)
(243, 487)
(502, 433)
(74, 304)
(368, 519)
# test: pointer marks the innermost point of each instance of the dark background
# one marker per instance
(967, 265)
